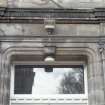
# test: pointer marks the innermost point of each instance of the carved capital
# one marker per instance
(101, 49)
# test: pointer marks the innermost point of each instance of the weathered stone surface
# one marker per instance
(10, 29)
(65, 4)
(69, 40)
(88, 30)
(39, 29)
(3, 3)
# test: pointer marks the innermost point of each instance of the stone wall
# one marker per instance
(26, 42)
(69, 39)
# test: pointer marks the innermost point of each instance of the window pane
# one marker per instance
(48, 80)
(24, 78)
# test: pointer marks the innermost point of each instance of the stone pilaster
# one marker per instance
(4, 80)
(102, 55)
(102, 64)
(1, 84)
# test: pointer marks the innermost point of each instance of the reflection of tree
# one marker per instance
(73, 82)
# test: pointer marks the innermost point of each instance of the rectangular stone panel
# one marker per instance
(39, 29)
(88, 30)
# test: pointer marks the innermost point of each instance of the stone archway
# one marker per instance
(94, 78)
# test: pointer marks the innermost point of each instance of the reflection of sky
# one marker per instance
(48, 82)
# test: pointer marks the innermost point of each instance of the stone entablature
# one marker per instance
(36, 15)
